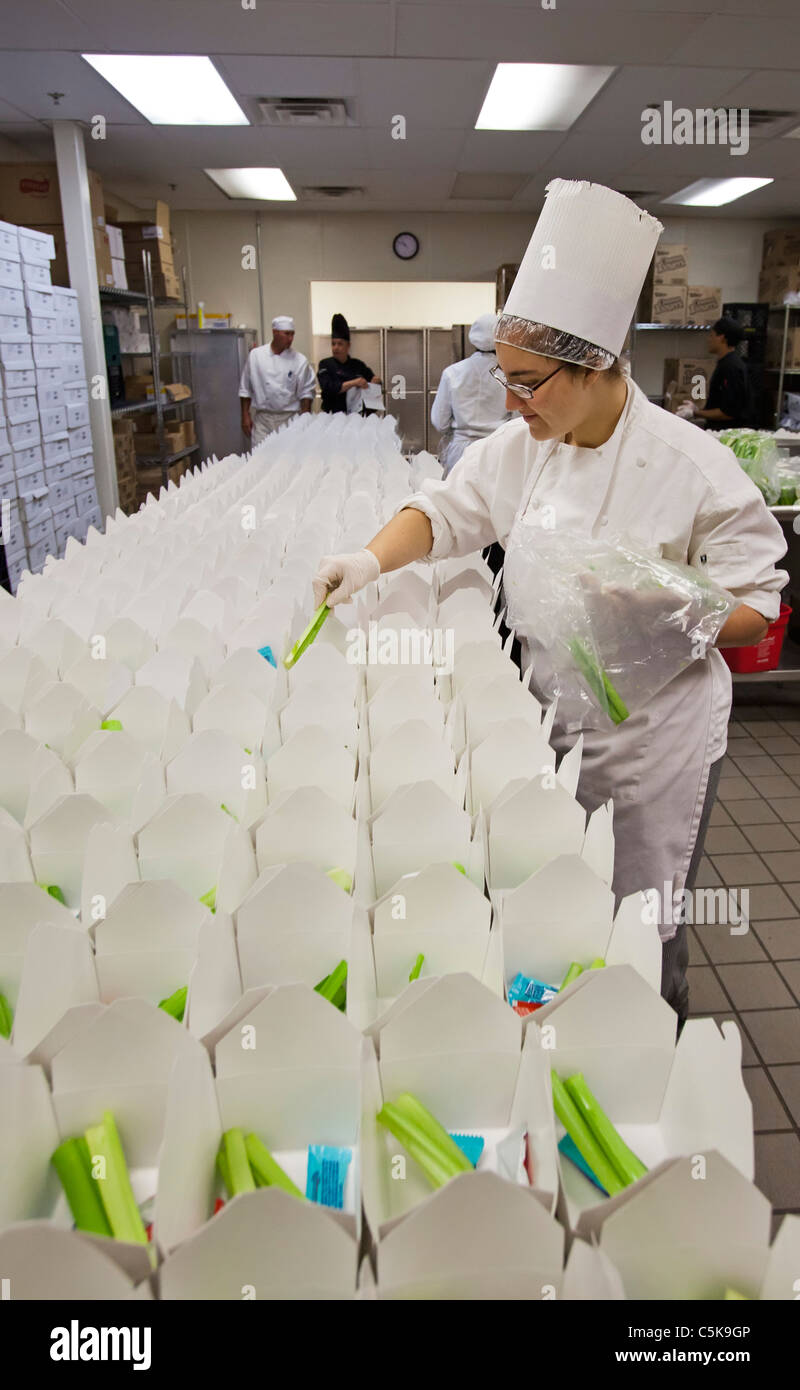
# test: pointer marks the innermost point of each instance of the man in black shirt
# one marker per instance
(341, 373)
(729, 396)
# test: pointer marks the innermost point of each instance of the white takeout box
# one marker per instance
(195, 843)
(420, 825)
(294, 925)
(147, 943)
(307, 825)
(33, 776)
(459, 1050)
(122, 775)
(42, 1261)
(665, 1099)
(214, 764)
(153, 720)
(313, 757)
(58, 842)
(46, 963)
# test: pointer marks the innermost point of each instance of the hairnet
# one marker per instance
(551, 342)
(481, 334)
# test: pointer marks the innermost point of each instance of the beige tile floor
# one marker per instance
(753, 841)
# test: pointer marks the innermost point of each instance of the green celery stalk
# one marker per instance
(266, 1169)
(341, 878)
(416, 1113)
(417, 968)
(437, 1169)
(237, 1161)
(115, 1189)
(583, 1139)
(731, 1294)
(111, 724)
(224, 1170)
(572, 974)
(613, 1145)
(54, 891)
(598, 963)
(6, 1017)
(209, 899)
(332, 984)
(305, 640)
(73, 1164)
(604, 692)
(175, 1004)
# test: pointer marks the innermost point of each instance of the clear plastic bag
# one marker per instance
(757, 453)
(608, 623)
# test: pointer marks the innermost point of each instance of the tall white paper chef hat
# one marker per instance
(576, 290)
(283, 323)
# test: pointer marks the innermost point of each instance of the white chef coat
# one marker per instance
(277, 381)
(468, 405)
(662, 481)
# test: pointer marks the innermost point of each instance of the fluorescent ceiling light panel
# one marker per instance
(539, 96)
(266, 184)
(170, 90)
(712, 193)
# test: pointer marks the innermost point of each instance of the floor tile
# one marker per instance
(749, 1057)
(707, 876)
(787, 808)
(791, 726)
(791, 763)
(784, 865)
(770, 837)
(762, 766)
(776, 1034)
(781, 940)
(784, 744)
(696, 953)
(752, 813)
(768, 1109)
(728, 839)
(725, 947)
(740, 869)
(754, 725)
(774, 788)
(705, 991)
(719, 816)
(778, 1168)
(790, 970)
(787, 1080)
(736, 789)
(757, 986)
(768, 900)
(793, 889)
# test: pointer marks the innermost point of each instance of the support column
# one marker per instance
(77, 214)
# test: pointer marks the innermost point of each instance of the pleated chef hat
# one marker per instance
(576, 289)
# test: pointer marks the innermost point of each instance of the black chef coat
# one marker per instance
(729, 390)
(331, 374)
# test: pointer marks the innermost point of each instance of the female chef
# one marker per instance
(589, 447)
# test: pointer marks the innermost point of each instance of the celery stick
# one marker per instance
(224, 1170)
(238, 1165)
(416, 1113)
(341, 878)
(437, 1169)
(332, 983)
(572, 974)
(595, 677)
(583, 1139)
(54, 891)
(209, 899)
(624, 1159)
(598, 963)
(460, 867)
(73, 1164)
(731, 1294)
(305, 640)
(115, 1189)
(111, 724)
(416, 968)
(6, 1017)
(266, 1169)
(175, 1004)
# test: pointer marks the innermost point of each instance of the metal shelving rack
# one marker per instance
(112, 295)
(783, 371)
(637, 328)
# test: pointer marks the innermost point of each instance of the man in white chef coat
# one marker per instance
(469, 403)
(588, 454)
(277, 383)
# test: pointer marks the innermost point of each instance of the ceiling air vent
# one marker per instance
(302, 112)
(331, 190)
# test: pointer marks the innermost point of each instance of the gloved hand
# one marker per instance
(686, 411)
(341, 576)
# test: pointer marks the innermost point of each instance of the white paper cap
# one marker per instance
(585, 264)
(481, 334)
(284, 323)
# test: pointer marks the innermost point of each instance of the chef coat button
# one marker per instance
(604, 521)
(641, 463)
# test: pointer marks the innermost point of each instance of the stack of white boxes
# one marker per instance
(47, 480)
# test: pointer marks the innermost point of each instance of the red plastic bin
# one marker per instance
(766, 654)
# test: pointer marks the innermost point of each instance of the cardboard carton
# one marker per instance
(703, 304)
(781, 248)
(669, 304)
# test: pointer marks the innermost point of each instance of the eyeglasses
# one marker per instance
(525, 392)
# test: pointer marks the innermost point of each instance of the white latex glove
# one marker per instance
(686, 411)
(341, 576)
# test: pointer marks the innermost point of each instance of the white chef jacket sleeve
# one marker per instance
(306, 382)
(737, 543)
(442, 408)
(477, 501)
(246, 384)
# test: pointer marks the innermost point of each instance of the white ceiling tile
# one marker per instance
(422, 149)
(344, 27)
(510, 33)
(428, 93)
(620, 104)
(509, 151)
(257, 75)
(723, 41)
(40, 23)
(768, 90)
